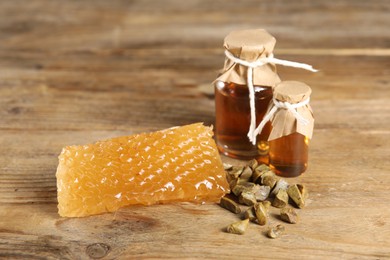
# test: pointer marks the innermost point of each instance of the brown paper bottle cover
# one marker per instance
(249, 45)
(284, 122)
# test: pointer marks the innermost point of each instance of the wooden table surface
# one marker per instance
(73, 72)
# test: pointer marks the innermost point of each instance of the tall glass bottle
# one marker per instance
(232, 103)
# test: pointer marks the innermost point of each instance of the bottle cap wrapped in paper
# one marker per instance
(290, 111)
(250, 46)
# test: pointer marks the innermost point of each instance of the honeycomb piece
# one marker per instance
(172, 165)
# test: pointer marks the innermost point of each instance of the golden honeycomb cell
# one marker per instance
(172, 165)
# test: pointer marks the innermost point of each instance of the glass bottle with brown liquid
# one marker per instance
(233, 119)
(288, 155)
(292, 129)
(232, 101)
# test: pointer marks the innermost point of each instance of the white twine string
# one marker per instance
(251, 65)
(283, 105)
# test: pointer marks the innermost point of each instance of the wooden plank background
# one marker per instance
(72, 72)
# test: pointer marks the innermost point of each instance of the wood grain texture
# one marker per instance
(73, 72)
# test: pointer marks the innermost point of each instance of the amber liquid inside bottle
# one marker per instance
(288, 155)
(232, 112)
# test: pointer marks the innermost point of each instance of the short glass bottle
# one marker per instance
(291, 130)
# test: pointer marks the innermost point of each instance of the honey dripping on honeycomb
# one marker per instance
(176, 164)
